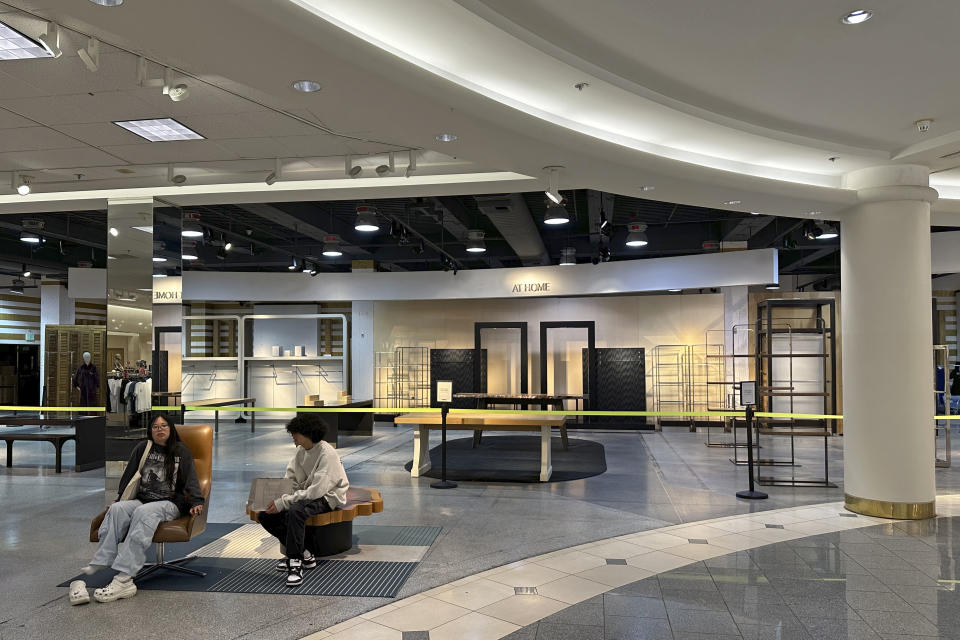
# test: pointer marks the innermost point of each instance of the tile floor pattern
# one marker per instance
(806, 572)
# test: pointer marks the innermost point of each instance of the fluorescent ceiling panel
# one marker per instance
(159, 130)
(16, 46)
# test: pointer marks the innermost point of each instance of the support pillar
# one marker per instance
(887, 344)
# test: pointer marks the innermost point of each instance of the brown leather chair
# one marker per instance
(199, 439)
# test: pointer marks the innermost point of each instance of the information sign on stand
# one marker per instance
(444, 398)
(748, 399)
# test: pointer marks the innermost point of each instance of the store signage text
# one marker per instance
(532, 287)
(167, 290)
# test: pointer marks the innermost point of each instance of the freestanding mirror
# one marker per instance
(129, 345)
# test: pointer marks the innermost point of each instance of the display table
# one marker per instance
(214, 403)
(89, 433)
(552, 400)
(477, 422)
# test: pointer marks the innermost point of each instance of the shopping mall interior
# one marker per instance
(624, 320)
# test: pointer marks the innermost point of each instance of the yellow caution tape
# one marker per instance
(49, 409)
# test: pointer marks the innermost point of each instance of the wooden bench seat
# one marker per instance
(332, 532)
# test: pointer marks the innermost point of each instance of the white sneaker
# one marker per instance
(79, 593)
(115, 590)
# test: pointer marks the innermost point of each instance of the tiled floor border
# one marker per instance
(495, 603)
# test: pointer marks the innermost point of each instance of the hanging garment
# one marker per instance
(144, 395)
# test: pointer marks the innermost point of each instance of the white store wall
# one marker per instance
(622, 321)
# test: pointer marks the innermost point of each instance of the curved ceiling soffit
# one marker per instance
(463, 47)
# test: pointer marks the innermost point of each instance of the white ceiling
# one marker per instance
(705, 102)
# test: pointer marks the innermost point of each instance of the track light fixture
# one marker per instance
(568, 256)
(174, 177)
(90, 55)
(418, 248)
(366, 219)
(26, 272)
(228, 246)
(605, 254)
(114, 232)
(17, 287)
(314, 271)
(556, 214)
(51, 39)
(176, 92)
(553, 184)
(274, 175)
(636, 234)
(29, 237)
(475, 243)
(352, 170)
(293, 264)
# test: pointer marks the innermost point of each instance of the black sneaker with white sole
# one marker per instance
(309, 560)
(282, 564)
(294, 573)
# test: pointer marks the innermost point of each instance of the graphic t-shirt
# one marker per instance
(154, 484)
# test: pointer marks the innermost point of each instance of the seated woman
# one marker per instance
(155, 487)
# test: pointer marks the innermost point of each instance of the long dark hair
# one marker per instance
(169, 463)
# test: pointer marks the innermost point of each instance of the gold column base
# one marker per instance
(894, 510)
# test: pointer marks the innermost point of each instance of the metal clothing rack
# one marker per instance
(777, 386)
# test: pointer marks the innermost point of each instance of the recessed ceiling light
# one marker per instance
(674, 290)
(755, 213)
(188, 256)
(647, 187)
(730, 202)
(159, 259)
(114, 232)
(446, 137)
(108, 3)
(306, 86)
(815, 213)
(16, 46)
(159, 130)
(857, 16)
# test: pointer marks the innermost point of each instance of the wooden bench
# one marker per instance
(57, 439)
(332, 532)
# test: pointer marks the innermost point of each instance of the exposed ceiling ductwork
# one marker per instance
(509, 213)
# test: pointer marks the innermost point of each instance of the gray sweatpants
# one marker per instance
(133, 523)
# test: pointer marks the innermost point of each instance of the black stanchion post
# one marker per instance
(443, 483)
(444, 397)
(748, 398)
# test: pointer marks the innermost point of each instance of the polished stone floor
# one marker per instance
(653, 480)
(892, 581)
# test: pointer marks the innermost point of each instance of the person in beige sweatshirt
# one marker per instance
(319, 485)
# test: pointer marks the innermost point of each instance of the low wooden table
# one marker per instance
(426, 422)
(214, 403)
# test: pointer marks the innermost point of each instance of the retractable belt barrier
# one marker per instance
(384, 410)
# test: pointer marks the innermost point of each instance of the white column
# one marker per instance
(887, 342)
(361, 350)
